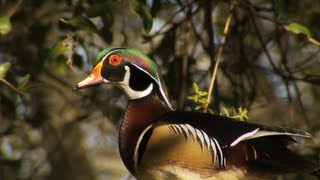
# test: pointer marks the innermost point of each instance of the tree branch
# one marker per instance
(217, 59)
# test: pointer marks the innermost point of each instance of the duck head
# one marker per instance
(129, 69)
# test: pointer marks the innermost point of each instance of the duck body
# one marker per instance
(156, 142)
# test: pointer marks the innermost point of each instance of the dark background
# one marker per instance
(269, 65)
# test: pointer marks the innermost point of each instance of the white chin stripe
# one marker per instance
(132, 94)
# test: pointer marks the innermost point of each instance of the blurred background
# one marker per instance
(270, 64)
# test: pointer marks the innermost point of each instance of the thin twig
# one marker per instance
(185, 57)
(14, 8)
(11, 86)
(264, 48)
(71, 52)
(170, 20)
(279, 23)
(217, 59)
(299, 99)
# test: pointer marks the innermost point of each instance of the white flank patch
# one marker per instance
(132, 94)
(245, 136)
(256, 134)
(275, 133)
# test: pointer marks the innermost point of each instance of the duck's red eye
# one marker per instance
(115, 59)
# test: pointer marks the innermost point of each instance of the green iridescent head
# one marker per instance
(129, 69)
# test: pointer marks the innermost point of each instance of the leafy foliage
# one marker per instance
(4, 69)
(299, 29)
(5, 25)
(200, 98)
(241, 113)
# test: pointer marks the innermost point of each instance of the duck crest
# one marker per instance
(139, 114)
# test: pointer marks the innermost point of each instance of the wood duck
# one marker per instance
(156, 142)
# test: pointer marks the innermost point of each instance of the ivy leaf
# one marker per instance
(5, 25)
(4, 69)
(24, 82)
(82, 23)
(140, 7)
(299, 29)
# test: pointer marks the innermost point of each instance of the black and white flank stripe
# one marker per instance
(204, 141)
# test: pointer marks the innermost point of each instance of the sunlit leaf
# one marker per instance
(210, 111)
(225, 112)
(4, 69)
(196, 98)
(5, 25)
(24, 81)
(203, 100)
(203, 93)
(143, 11)
(299, 29)
(195, 87)
(190, 97)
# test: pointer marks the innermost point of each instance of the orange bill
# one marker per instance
(94, 78)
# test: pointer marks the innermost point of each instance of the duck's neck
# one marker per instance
(139, 114)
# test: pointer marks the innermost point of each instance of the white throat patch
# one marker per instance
(132, 94)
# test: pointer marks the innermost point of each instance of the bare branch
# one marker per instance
(215, 70)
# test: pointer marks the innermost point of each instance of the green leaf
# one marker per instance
(140, 7)
(196, 98)
(198, 107)
(210, 111)
(203, 93)
(4, 69)
(225, 112)
(190, 97)
(195, 87)
(299, 29)
(82, 23)
(5, 25)
(203, 101)
(24, 82)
